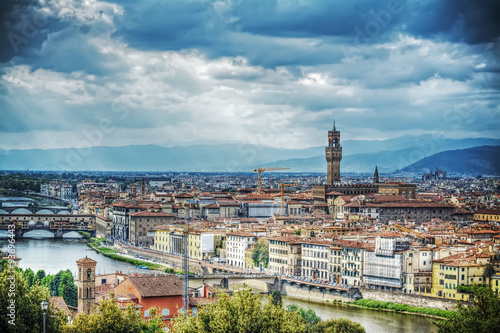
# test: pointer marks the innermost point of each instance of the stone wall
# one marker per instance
(313, 294)
(409, 299)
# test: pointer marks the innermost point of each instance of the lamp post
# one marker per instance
(45, 306)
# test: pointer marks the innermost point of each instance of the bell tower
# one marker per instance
(86, 285)
(333, 154)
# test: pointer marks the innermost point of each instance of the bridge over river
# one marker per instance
(57, 224)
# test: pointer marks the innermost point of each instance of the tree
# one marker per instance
(339, 325)
(108, 319)
(29, 277)
(489, 271)
(309, 315)
(276, 298)
(481, 317)
(25, 303)
(40, 275)
(243, 312)
(260, 253)
(155, 324)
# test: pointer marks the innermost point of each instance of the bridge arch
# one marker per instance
(44, 211)
(3, 211)
(39, 233)
(21, 211)
(64, 211)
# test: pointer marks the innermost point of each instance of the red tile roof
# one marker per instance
(156, 286)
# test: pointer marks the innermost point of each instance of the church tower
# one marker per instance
(333, 154)
(86, 285)
(375, 176)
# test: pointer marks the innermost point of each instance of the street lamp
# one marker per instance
(45, 306)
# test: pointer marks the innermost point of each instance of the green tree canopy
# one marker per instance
(339, 325)
(25, 302)
(309, 315)
(481, 317)
(260, 253)
(276, 298)
(108, 318)
(243, 312)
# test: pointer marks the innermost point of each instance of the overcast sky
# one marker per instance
(80, 73)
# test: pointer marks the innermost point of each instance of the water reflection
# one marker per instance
(52, 255)
(372, 321)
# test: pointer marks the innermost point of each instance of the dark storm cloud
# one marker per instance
(24, 27)
(254, 28)
(184, 70)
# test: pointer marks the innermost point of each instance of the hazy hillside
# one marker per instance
(358, 156)
(483, 160)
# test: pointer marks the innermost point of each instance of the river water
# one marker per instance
(53, 255)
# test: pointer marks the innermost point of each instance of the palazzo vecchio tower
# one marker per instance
(333, 154)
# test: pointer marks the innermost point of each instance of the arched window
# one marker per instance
(146, 314)
(165, 312)
(89, 274)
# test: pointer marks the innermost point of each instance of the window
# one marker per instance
(165, 312)
(146, 314)
(89, 274)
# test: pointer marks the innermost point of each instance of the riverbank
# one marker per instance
(96, 245)
(402, 308)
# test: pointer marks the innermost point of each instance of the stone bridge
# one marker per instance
(58, 233)
(266, 283)
(34, 209)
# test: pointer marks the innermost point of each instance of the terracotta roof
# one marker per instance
(58, 302)
(489, 211)
(86, 260)
(153, 214)
(157, 286)
(199, 301)
(240, 234)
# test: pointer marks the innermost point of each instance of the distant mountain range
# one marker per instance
(359, 156)
(483, 160)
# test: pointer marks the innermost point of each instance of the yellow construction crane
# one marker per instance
(259, 172)
(283, 193)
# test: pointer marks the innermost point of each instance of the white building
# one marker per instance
(315, 256)
(383, 267)
(352, 263)
(236, 244)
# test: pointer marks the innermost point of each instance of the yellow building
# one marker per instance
(487, 215)
(495, 283)
(285, 254)
(453, 271)
(162, 239)
(209, 240)
(249, 264)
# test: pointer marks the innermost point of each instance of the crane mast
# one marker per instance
(185, 263)
(259, 172)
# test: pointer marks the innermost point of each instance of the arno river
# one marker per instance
(54, 255)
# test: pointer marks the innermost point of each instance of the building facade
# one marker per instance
(285, 255)
(236, 244)
(315, 255)
(143, 221)
(383, 267)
